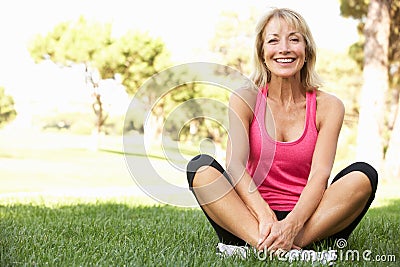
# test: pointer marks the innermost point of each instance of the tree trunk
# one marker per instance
(98, 110)
(375, 85)
(92, 83)
(153, 128)
(392, 159)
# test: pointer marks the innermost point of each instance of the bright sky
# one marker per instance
(185, 26)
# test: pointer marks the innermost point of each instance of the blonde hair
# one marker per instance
(261, 74)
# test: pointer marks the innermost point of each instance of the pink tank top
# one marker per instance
(281, 169)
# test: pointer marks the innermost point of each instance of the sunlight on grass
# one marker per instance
(52, 201)
(61, 166)
(63, 163)
(386, 193)
(64, 204)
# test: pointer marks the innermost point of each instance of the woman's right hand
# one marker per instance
(264, 229)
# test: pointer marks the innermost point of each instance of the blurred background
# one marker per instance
(70, 69)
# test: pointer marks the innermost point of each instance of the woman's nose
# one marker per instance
(284, 47)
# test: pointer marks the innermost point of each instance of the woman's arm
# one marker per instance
(241, 114)
(332, 111)
(329, 122)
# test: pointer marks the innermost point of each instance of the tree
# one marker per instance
(390, 131)
(375, 87)
(134, 56)
(375, 83)
(7, 111)
(392, 165)
(72, 43)
(176, 103)
(358, 9)
(233, 40)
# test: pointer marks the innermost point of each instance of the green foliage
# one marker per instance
(134, 56)
(7, 111)
(394, 45)
(356, 52)
(204, 105)
(179, 101)
(233, 40)
(358, 9)
(342, 77)
(72, 42)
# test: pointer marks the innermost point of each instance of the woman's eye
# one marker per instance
(272, 41)
(294, 40)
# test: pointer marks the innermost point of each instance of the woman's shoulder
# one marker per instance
(246, 91)
(247, 94)
(328, 101)
(244, 100)
(329, 107)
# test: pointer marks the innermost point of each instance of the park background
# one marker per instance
(57, 162)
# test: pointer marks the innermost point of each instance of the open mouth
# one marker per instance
(284, 60)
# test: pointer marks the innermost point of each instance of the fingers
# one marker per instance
(277, 239)
(265, 230)
(275, 236)
(268, 242)
(295, 247)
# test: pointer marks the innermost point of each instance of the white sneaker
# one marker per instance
(325, 257)
(231, 250)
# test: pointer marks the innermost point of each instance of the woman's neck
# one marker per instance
(286, 90)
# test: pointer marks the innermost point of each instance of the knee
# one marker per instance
(199, 161)
(369, 172)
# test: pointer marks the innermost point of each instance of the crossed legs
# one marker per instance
(342, 207)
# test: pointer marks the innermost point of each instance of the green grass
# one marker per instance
(38, 228)
(124, 234)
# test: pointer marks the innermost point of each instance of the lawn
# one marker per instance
(64, 205)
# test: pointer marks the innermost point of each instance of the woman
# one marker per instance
(282, 142)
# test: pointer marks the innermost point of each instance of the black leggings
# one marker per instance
(228, 238)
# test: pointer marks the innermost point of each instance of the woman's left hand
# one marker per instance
(281, 236)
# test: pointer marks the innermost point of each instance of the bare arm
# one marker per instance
(330, 123)
(283, 233)
(241, 106)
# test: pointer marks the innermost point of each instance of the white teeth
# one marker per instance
(285, 60)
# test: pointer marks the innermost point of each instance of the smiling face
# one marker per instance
(284, 49)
